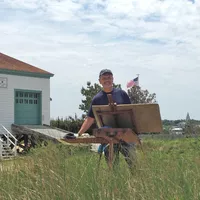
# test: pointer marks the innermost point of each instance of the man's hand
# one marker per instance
(79, 134)
(86, 125)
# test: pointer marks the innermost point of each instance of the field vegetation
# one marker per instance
(165, 169)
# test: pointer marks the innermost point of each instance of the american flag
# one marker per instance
(133, 82)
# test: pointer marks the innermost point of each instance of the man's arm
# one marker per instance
(86, 125)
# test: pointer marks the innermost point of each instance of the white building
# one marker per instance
(24, 93)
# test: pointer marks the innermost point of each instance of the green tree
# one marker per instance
(89, 92)
(70, 123)
(137, 95)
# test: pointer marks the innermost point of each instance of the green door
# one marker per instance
(27, 107)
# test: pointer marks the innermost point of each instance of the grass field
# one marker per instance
(168, 169)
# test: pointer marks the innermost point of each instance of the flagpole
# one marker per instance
(138, 79)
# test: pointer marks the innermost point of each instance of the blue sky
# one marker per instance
(160, 40)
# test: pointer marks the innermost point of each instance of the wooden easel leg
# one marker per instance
(111, 154)
(140, 143)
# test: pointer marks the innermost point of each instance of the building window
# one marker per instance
(26, 101)
(21, 101)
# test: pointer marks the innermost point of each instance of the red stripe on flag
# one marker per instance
(130, 84)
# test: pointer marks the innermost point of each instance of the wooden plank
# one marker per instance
(145, 117)
(86, 140)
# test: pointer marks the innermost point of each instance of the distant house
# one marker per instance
(24, 93)
(176, 131)
(181, 124)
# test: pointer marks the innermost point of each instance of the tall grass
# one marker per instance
(166, 170)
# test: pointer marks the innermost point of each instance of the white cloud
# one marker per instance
(76, 39)
(22, 4)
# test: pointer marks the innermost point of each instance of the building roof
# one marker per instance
(9, 64)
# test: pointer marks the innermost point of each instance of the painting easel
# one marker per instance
(124, 122)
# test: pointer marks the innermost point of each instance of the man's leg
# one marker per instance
(129, 152)
(115, 154)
